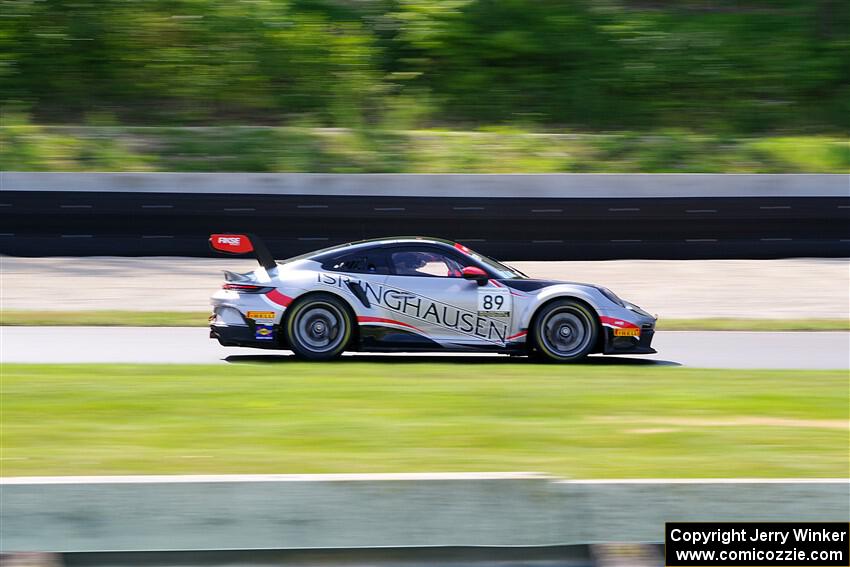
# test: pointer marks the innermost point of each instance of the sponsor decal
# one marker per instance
(231, 243)
(621, 328)
(494, 302)
(263, 332)
(261, 314)
(431, 311)
(626, 332)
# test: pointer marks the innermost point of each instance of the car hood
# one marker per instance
(529, 285)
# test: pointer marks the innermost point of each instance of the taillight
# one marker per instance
(247, 288)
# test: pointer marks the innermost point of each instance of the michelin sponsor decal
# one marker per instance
(421, 308)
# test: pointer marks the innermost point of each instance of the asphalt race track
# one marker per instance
(190, 345)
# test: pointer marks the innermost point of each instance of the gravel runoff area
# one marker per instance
(770, 289)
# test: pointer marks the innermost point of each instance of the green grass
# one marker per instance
(199, 319)
(604, 420)
(105, 318)
(31, 147)
(725, 324)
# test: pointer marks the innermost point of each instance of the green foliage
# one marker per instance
(186, 61)
(26, 147)
(719, 66)
(807, 153)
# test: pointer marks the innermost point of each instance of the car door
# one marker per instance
(361, 273)
(426, 289)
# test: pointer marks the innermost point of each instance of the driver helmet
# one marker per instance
(409, 261)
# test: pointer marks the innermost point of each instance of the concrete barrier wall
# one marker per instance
(517, 217)
(555, 185)
(346, 511)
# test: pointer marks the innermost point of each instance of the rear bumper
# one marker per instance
(630, 345)
(244, 336)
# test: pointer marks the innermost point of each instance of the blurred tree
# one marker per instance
(713, 65)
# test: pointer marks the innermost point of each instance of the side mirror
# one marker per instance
(475, 273)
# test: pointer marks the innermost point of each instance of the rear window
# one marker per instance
(361, 262)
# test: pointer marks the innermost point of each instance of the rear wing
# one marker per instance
(239, 244)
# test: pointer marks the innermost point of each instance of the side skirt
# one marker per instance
(389, 339)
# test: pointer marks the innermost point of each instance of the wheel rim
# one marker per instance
(320, 327)
(565, 332)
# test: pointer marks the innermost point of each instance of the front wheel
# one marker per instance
(318, 327)
(564, 331)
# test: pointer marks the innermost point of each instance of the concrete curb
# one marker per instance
(365, 511)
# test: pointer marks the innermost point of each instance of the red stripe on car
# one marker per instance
(365, 319)
(619, 323)
(463, 248)
(276, 297)
(517, 336)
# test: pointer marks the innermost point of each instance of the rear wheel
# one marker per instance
(564, 331)
(319, 327)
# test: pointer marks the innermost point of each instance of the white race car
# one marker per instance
(410, 294)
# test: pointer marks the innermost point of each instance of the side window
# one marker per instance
(425, 262)
(358, 263)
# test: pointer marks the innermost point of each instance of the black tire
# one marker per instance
(564, 331)
(319, 327)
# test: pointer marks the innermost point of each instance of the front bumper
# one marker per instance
(630, 345)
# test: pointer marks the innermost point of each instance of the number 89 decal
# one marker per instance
(494, 302)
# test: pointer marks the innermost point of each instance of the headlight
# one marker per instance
(639, 311)
(612, 297)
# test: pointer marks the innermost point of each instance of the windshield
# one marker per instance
(503, 271)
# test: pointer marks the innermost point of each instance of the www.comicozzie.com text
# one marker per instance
(755, 534)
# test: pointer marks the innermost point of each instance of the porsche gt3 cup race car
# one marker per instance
(410, 294)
